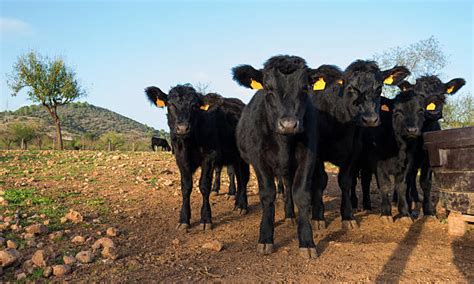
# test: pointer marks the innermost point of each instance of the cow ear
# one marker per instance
(454, 85)
(211, 102)
(395, 75)
(248, 76)
(324, 76)
(405, 86)
(156, 96)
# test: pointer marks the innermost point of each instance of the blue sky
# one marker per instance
(118, 48)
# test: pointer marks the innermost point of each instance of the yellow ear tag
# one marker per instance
(431, 106)
(160, 103)
(319, 85)
(450, 90)
(385, 108)
(389, 80)
(340, 82)
(204, 107)
(256, 85)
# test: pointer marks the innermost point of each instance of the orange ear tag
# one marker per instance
(450, 90)
(319, 85)
(340, 82)
(204, 107)
(255, 85)
(431, 106)
(160, 103)
(389, 80)
(385, 108)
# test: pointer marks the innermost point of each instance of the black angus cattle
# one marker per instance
(433, 91)
(277, 135)
(160, 142)
(346, 101)
(390, 148)
(217, 181)
(202, 135)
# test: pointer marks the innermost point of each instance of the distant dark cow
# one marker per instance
(217, 181)
(159, 142)
(346, 101)
(277, 134)
(433, 92)
(202, 135)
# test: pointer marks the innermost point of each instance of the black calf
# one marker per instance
(277, 134)
(159, 142)
(202, 135)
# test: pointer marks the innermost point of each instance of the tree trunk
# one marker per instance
(54, 115)
(110, 146)
(22, 144)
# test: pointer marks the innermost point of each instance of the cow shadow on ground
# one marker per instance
(394, 267)
(463, 255)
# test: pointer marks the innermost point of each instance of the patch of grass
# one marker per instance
(37, 274)
(95, 201)
(22, 196)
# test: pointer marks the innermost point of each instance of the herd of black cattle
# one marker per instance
(298, 119)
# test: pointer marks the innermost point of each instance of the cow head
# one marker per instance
(433, 91)
(184, 105)
(408, 115)
(363, 81)
(284, 82)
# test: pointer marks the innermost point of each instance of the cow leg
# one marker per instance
(411, 191)
(242, 172)
(290, 215)
(186, 188)
(426, 176)
(267, 193)
(365, 180)
(354, 199)
(281, 188)
(205, 187)
(383, 183)
(401, 187)
(320, 180)
(231, 174)
(301, 189)
(217, 180)
(345, 180)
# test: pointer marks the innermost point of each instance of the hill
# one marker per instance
(81, 118)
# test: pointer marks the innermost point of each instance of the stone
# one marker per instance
(213, 245)
(8, 257)
(47, 271)
(74, 216)
(37, 229)
(110, 253)
(69, 259)
(39, 258)
(112, 232)
(61, 270)
(56, 235)
(78, 240)
(102, 243)
(85, 256)
(12, 244)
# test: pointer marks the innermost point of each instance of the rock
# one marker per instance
(115, 158)
(69, 259)
(56, 235)
(29, 236)
(85, 256)
(213, 245)
(39, 258)
(110, 253)
(8, 257)
(61, 270)
(112, 232)
(12, 244)
(74, 216)
(78, 240)
(21, 276)
(37, 229)
(102, 243)
(47, 271)
(28, 266)
(63, 220)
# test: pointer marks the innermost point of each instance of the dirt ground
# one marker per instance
(139, 194)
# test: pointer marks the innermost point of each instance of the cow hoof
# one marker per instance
(290, 222)
(405, 220)
(214, 193)
(183, 227)
(319, 224)
(308, 253)
(205, 226)
(265, 249)
(386, 219)
(230, 197)
(242, 211)
(349, 224)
